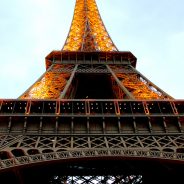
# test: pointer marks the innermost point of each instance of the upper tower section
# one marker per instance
(87, 31)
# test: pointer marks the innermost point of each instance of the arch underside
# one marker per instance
(95, 166)
(46, 158)
(36, 136)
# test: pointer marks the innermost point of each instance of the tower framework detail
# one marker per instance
(92, 117)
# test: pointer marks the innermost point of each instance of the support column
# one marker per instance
(63, 93)
(120, 83)
(149, 82)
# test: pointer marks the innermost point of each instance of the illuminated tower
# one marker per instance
(91, 117)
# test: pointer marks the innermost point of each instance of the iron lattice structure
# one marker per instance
(87, 32)
(91, 117)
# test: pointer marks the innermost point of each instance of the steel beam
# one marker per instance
(120, 83)
(63, 93)
(149, 82)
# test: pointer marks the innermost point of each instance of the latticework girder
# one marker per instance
(126, 82)
(135, 83)
(87, 32)
(139, 87)
(120, 179)
(91, 117)
(51, 84)
(165, 144)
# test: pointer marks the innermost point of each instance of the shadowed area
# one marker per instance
(145, 171)
(95, 86)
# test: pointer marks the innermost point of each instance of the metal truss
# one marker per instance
(84, 68)
(172, 144)
(97, 179)
(51, 84)
(95, 57)
(37, 127)
(32, 156)
(127, 82)
(139, 132)
(136, 86)
(77, 172)
(87, 32)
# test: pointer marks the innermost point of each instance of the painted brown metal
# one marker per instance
(135, 135)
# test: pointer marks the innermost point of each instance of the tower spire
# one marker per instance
(89, 42)
(87, 31)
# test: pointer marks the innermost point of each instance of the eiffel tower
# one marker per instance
(92, 117)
